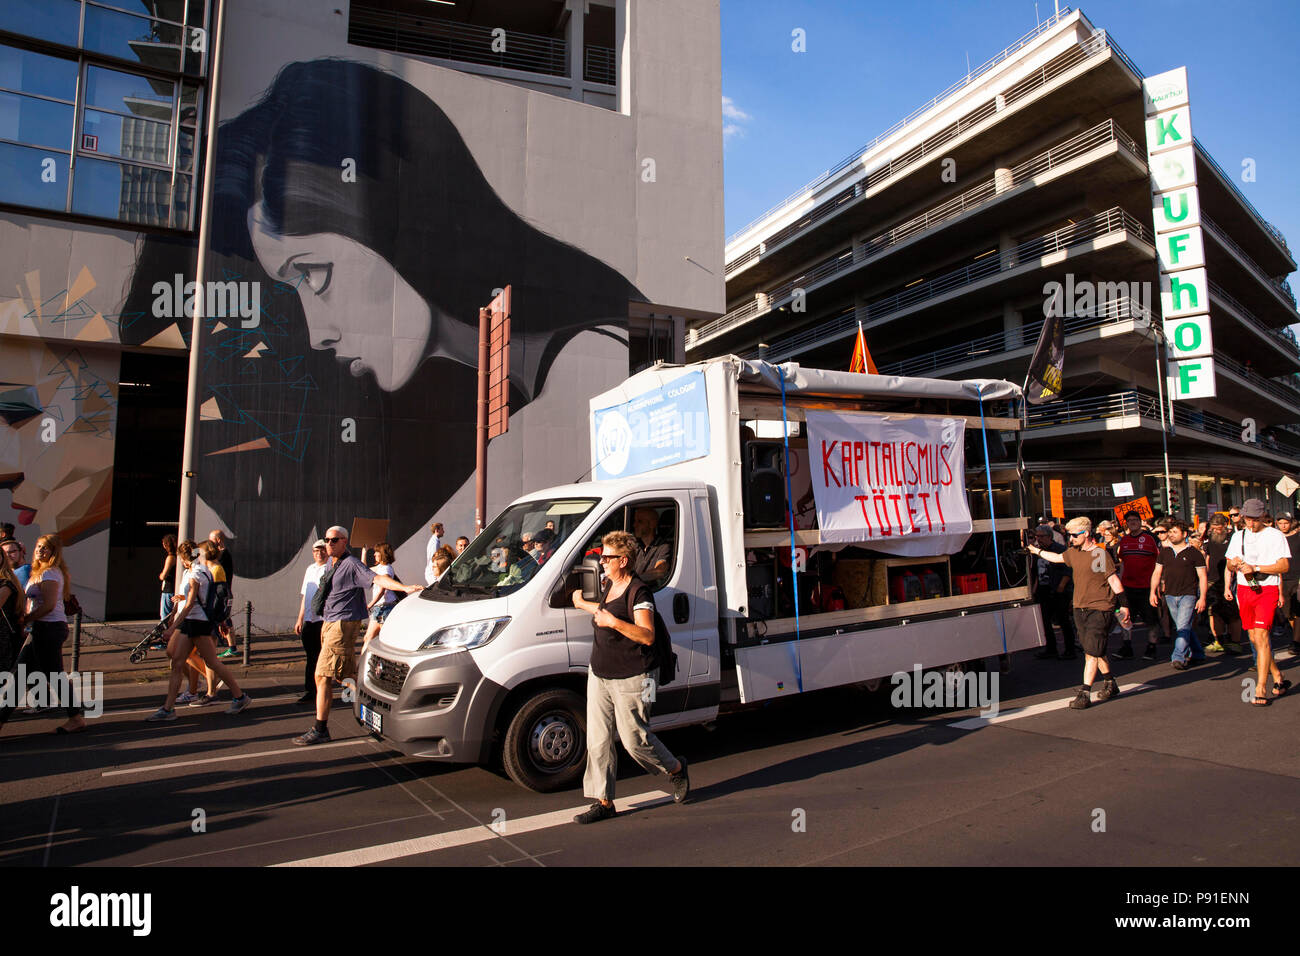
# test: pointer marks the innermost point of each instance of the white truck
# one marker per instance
(769, 580)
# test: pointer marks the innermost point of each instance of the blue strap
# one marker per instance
(789, 508)
(997, 563)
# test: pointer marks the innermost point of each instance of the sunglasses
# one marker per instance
(332, 540)
(609, 557)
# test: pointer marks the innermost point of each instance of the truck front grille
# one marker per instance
(387, 675)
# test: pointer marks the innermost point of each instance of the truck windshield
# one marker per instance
(511, 549)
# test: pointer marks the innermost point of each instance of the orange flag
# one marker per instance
(861, 357)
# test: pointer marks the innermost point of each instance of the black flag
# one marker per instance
(1043, 383)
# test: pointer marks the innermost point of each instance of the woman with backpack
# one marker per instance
(190, 630)
(621, 683)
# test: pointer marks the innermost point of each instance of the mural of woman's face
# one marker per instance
(340, 284)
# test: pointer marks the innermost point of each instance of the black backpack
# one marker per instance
(216, 606)
(665, 656)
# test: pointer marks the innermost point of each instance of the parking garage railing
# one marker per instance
(1222, 235)
(1114, 312)
(1096, 44)
(1284, 336)
(911, 117)
(1132, 403)
(454, 40)
(1271, 229)
(1108, 223)
(1102, 134)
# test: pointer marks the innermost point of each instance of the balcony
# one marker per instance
(1108, 234)
(1067, 156)
(939, 145)
(451, 40)
(1283, 353)
(1221, 190)
(1131, 409)
(1279, 287)
(916, 114)
(995, 354)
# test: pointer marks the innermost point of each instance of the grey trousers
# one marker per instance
(622, 706)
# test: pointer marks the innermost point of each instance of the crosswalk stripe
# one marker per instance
(384, 852)
(975, 723)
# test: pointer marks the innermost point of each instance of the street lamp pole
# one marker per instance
(1164, 431)
(189, 492)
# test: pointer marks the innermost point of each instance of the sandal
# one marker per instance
(1261, 702)
(1280, 689)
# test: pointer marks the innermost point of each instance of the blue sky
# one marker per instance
(869, 63)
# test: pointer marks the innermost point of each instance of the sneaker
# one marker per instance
(1150, 653)
(228, 653)
(1179, 665)
(595, 813)
(1109, 689)
(202, 701)
(1125, 650)
(1082, 700)
(309, 698)
(1233, 648)
(681, 782)
(312, 736)
(186, 697)
(239, 703)
(1214, 647)
(162, 713)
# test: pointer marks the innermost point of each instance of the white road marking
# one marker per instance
(252, 756)
(444, 841)
(975, 723)
(186, 708)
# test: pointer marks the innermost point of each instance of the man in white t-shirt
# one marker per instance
(1257, 558)
(309, 624)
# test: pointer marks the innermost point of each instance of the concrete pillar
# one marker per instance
(1013, 325)
(577, 23)
(1005, 244)
(1002, 175)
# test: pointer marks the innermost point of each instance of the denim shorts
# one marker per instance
(380, 612)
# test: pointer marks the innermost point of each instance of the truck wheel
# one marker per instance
(545, 747)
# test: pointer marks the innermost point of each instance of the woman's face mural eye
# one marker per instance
(343, 287)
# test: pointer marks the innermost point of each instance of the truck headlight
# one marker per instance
(465, 636)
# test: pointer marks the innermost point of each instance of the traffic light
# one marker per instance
(1173, 502)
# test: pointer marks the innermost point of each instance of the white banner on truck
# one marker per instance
(891, 483)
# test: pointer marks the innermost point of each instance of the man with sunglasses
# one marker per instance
(340, 601)
(1257, 558)
(1097, 588)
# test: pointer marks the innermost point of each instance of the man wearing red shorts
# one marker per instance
(1257, 557)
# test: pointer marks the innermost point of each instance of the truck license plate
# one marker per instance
(371, 719)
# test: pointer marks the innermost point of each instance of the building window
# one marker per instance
(108, 133)
(650, 340)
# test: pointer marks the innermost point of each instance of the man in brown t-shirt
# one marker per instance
(1096, 589)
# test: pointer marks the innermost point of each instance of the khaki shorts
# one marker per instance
(338, 649)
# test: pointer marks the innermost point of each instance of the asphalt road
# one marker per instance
(1177, 771)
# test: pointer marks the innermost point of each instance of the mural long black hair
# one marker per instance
(421, 202)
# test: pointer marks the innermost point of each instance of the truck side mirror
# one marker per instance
(585, 577)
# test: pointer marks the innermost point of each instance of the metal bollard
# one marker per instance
(76, 642)
(248, 630)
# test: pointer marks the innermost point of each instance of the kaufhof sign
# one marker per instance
(1180, 245)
